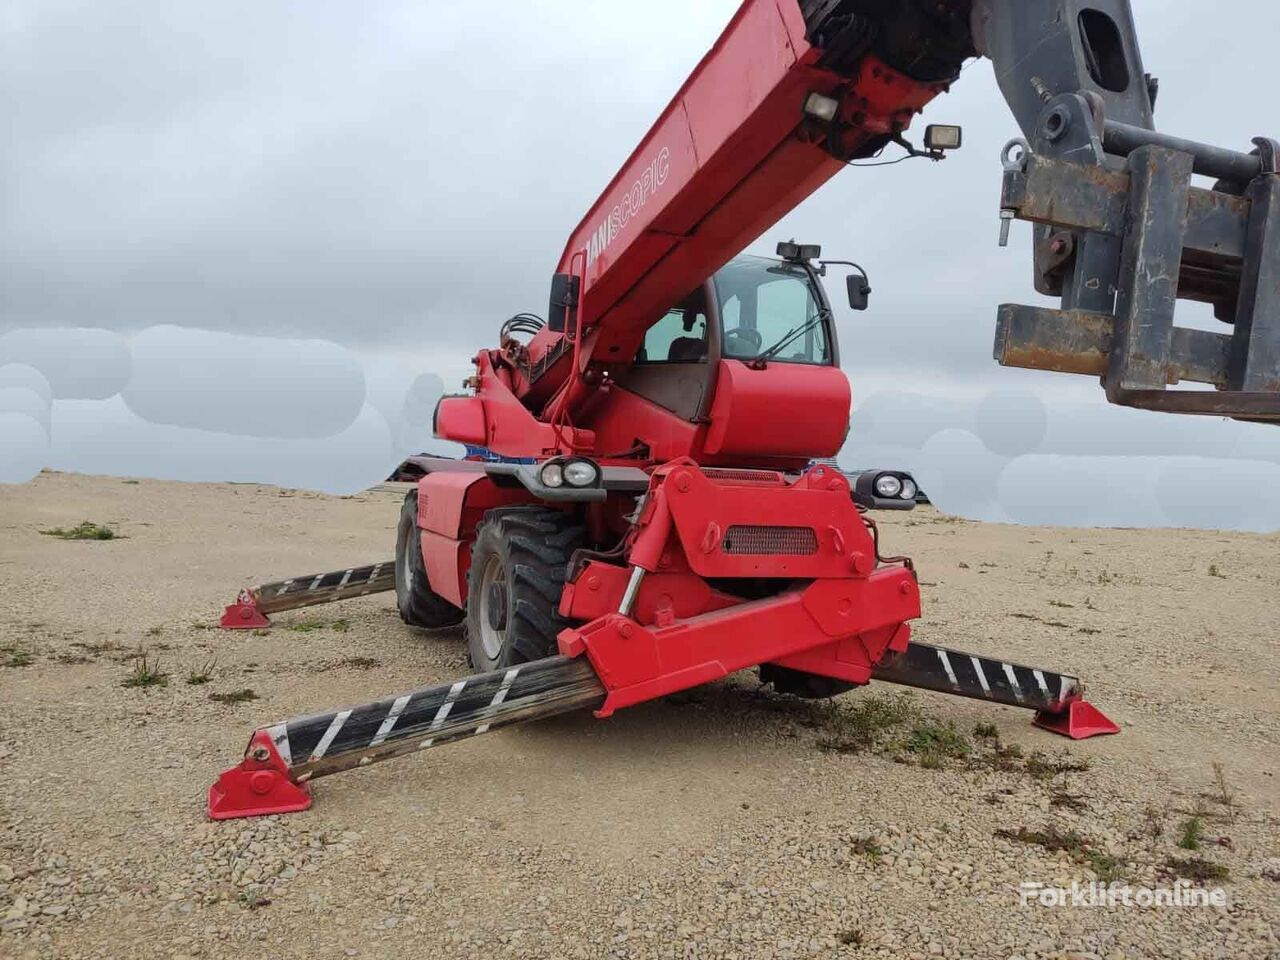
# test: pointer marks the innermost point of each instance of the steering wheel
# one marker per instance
(742, 342)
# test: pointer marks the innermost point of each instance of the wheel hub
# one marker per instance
(496, 605)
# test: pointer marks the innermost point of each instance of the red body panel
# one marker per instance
(856, 618)
(681, 632)
(450, 505)
(833, 538)
(786, 410)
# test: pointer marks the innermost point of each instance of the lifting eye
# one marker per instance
(1103, 51)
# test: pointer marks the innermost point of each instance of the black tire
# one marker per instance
(807, 686)
(419, 605)
(526, 551)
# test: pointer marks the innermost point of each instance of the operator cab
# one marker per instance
(752, 307)
(755, 310)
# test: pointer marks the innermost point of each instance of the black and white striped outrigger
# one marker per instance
(250, 610)
(283, 759)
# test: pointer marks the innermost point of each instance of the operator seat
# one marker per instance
(687, 350)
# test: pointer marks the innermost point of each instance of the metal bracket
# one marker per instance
(1145, 238)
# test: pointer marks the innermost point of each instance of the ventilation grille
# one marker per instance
(731, 475)
(789, 541)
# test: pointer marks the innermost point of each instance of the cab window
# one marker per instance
(680, 336)
(763, 304)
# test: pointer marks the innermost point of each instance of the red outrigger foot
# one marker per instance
(244, 614)
(259, 786)
(1079, 721)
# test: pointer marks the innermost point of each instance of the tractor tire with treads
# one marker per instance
(518, 566)
(419, 605)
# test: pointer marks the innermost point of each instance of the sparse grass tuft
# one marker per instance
(1192, 833)
(202, 676)
(851, 937)
(1196, 869)
(96, 647)
(154, 631)
(307, 626)
(1068, 801)
(235, 696)
(251, 898)
(342, 626)
(1005, 757)
(1051, 838)
(1215, 572)
(986, 731)
(15, 657)
(146, 673)
(1154, 821)
(868, 847)
(1225, 795)
(934, 743)
(87, 530)
(1043, 767)
(1106, 868)
(862, 724)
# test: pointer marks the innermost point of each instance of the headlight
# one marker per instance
(888, 486)
(552, 475)
(909, 489)
(580, 473)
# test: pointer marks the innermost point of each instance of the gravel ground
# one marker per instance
(725, 822)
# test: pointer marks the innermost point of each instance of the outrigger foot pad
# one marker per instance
(258, 786)
(1079, 721)
(244, 614)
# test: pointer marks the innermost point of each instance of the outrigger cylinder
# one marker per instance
(254, 603)
(282, 759)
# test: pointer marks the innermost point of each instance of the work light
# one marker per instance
(887, 485)
(580, 473)
(941, 136)
(821, 107)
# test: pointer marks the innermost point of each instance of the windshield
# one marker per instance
(767, 306)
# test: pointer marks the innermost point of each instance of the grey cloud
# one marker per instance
(27, 402)
(24, 447)
(26, 376)
(78, 363)
(1082, 491)
(105, 437)
(256, 386)
(1011, 422)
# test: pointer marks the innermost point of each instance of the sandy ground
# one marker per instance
(710, 824)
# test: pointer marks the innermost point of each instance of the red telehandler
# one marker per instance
(650, 515)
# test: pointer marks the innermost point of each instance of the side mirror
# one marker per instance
(859, 291)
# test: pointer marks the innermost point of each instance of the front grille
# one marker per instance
(790, 541)
(736, 475)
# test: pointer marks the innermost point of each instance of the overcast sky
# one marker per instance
(398, 176)
(402, 175)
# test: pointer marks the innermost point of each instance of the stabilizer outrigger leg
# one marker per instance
(1057, 699)
(284, 758)
(298, 751)
(250, 610)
